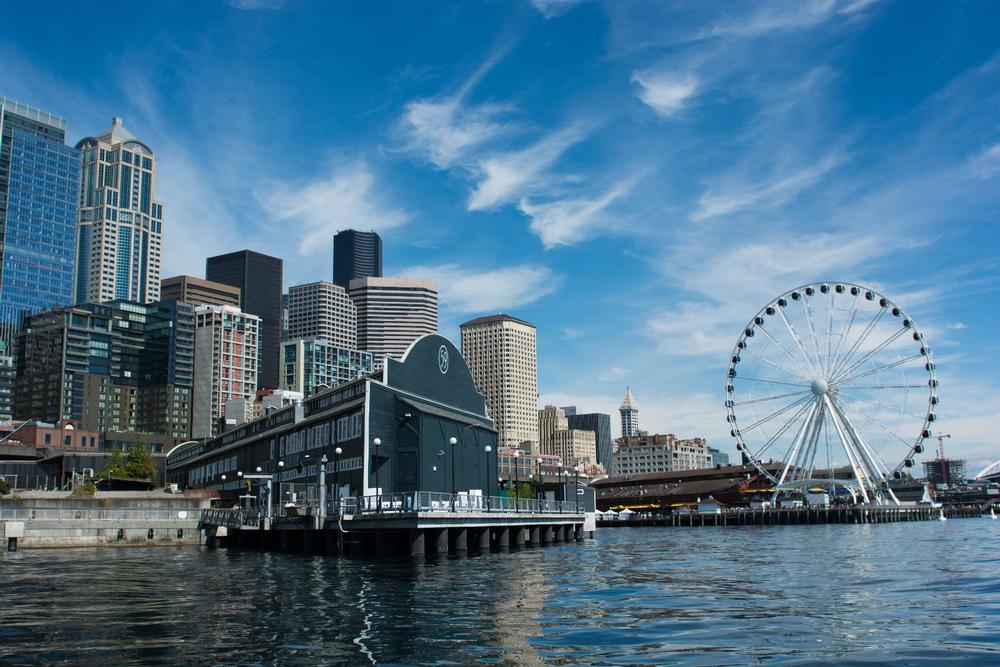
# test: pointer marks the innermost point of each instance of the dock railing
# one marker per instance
(109, 515)
(430, 501)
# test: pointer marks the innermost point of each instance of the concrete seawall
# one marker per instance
(109, 519)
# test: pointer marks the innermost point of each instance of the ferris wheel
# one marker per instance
(831, 385)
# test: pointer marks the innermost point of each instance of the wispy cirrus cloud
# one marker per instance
(734, 195)
(504, 177)
(346, 198)
(569, 221)
(474, 289)
(553, 8)
(666, 93)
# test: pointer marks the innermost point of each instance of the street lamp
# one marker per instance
(453, 441)
(576, 488)
(336, 475)
(517, 486)
(378, 485)
(487, 449)
(541, 481)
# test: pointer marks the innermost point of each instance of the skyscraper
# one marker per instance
(309, 365)
(392, 313)
(39, 189)
(502, 355)
(259, 278)
(322, 310)
(356, 255)
(225, 349)
(121, 222)
(630, 415)
(600, 425)
(556, 437)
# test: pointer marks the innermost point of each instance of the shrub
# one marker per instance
(4, 487)
(87, 490)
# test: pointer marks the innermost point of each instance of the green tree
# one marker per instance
(114, 468)
(140, 462)
(4, 487)
(524, 491)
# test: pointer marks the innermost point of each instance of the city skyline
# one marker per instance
(637, 197)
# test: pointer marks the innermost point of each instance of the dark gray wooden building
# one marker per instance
(414, 408)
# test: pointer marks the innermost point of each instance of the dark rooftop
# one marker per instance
(499, 317)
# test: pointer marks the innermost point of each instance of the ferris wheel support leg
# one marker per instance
(848, 448)
(876, 467)
(793, 452)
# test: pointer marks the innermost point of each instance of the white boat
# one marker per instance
(942, 517)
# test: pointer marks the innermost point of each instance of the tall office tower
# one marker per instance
(630, 415)
(322, 310)
(199, 292)
(600, 425)
(556, 438)
(502, 355)
(313, 364)
(259, 279)
(356, 255)
(39, 189)
(225, 364)
(392, 313)
(121, 222)
(116, 366)
(8, 379)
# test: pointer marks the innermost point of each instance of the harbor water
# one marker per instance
(903, 593)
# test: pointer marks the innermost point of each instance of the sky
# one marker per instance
(636, 179)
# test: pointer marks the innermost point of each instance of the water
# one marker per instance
(908, 593)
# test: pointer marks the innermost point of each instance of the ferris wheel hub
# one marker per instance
(820, 387)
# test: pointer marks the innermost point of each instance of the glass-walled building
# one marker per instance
(312, 364)
(39, 187)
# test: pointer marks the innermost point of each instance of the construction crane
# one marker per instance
(945, 477)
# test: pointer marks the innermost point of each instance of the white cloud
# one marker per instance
(613, 373)
(446, 131)
(568, 221)
(506, 176)
(957, 325)
(344, 199)
(736, 195)
(552, 8)
(666, 93)
(788, 16)
(466, 289)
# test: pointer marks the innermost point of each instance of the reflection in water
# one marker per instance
(912, 592)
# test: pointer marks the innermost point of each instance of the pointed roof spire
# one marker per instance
(629, 402)
(117, 133)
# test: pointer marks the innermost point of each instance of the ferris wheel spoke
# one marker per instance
(873, 422)
(755, 379)
(871, 353)
(798, 341)
(770, 398)
(882, 405)
(883, 386)
(894, 364)
(772, 363)
(872, 460)
(812, 333)
(776, 413)
(805, 371)
(848, 325)
(843, 361)
(829, 330)
(780, 432)
(848, 446)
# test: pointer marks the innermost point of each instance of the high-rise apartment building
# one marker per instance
(314, 364)
(117, 366)
(629, 411)
(39, 190)
(259, 279)
(600, 425)
(356, 255)
(119, 251)
(392, 313)
(502, 355)
(226, 346)
(199, 292)
(322, 310)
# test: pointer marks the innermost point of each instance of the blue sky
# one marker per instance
(637, 179)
